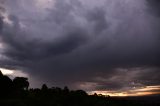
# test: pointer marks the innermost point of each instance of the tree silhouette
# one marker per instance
(21, 83)
(5, 85)
(66, 90)
(44, 87)
(1, 75)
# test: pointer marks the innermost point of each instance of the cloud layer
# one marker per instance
(92, 46)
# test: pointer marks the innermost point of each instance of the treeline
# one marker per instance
(10, 88)
(16, 93)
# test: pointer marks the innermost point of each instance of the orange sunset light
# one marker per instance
(142, 91)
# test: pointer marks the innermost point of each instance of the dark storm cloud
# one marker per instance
(1, 24)
(72, 44)
(37, 50)
(154, 6)
(128, 78)
(1, 18)
(147, 79)
(98, 19)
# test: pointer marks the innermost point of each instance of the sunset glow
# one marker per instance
(144, 91)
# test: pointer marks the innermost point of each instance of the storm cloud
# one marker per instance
(91, 46)
(154, 6)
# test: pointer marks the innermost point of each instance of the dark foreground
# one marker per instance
(75, 99)
(16, 93)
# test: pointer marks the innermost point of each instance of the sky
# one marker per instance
(105, 46)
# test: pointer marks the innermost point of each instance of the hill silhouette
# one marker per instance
(16, 93)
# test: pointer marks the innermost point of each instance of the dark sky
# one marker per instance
(85, 44)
